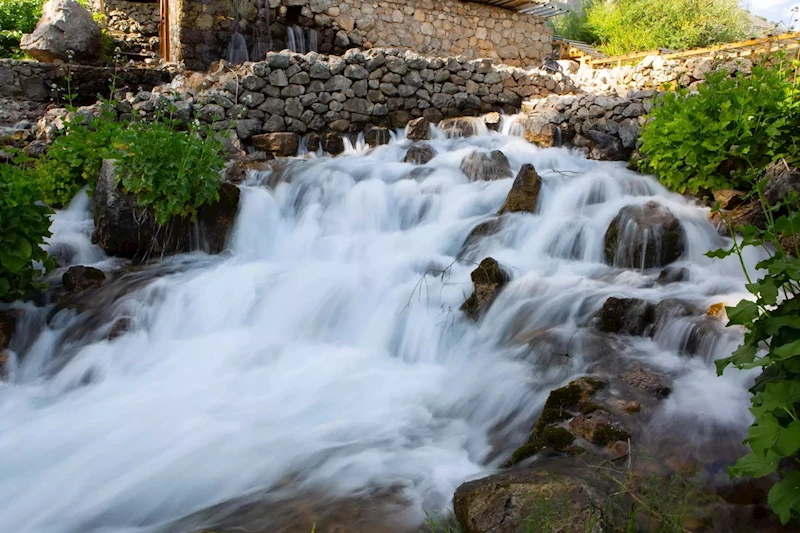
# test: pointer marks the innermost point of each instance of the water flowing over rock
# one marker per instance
(65, 27)
(482, 166)
(459, 127)
(320, 368)
(125, 229)
(488, 279)
(524, 193)
(626, 316)
(79, 278)
(644, 236)
(420, 154)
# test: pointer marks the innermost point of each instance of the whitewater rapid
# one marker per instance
(326, 352)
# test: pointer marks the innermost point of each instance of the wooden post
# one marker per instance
(164, 32)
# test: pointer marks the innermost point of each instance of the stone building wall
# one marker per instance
(134, 26)
(431, 27)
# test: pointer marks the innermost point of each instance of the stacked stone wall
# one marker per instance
(431, 27)
(134, 26)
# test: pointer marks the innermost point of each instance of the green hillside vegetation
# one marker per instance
(627, 26)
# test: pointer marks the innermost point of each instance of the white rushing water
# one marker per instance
(318, 350)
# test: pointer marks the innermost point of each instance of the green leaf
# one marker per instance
(754, 465)
(784, 497)
(742, 314)
(788, 350)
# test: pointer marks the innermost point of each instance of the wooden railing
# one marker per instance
(762, 45)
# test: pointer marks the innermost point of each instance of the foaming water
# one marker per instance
(328, 348)
(71, 242)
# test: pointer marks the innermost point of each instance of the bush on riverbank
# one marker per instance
(24, 226)
(724, 136)
(172, 172)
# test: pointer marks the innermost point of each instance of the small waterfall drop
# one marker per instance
(313, 40)
(237, 46)
(262, 40)
(296, 39)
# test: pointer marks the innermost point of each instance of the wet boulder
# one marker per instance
(626, 316)
(8, 326)
(562, 404)
(673, 275)
(649, 382)
(504, 503)
(488, 279)
(66, 27)
(482, 166)
(420, 154)
(524, 194)
(599, 427)
(539, 130)
(459, 127)
(418, 129)
(80, 278)
(332, 142)
(123, 228)
(644, 236)
(282, 144)
(781, 181)
(377, 136)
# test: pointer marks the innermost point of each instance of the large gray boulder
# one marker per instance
(482, 166)
(644, 236)
(65, 26)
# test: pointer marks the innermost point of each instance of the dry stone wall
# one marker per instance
(43, 82)
(431, 27)
(134, 26)
(383, 87)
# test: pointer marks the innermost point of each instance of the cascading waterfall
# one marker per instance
(296, 39)
(313, 40)
(237, 46)
(326, 353)
(262, 39)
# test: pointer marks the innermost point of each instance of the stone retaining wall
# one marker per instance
(606, 127)
(42, 82)
(432, 27)
(654, 72)
(303, 93)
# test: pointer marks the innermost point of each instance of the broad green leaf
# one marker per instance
(742, 314)
(755, 465)
(784, 497)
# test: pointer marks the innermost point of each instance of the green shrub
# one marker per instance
(626, 26)
(24, 225)
(74, 159)
(17, 17)
(717, 138)
(174, 172)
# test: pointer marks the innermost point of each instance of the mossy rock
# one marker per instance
(487, 279)
(555, 438)
(509, 502)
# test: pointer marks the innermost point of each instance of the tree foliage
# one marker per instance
(17, 17)
(626, 26)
